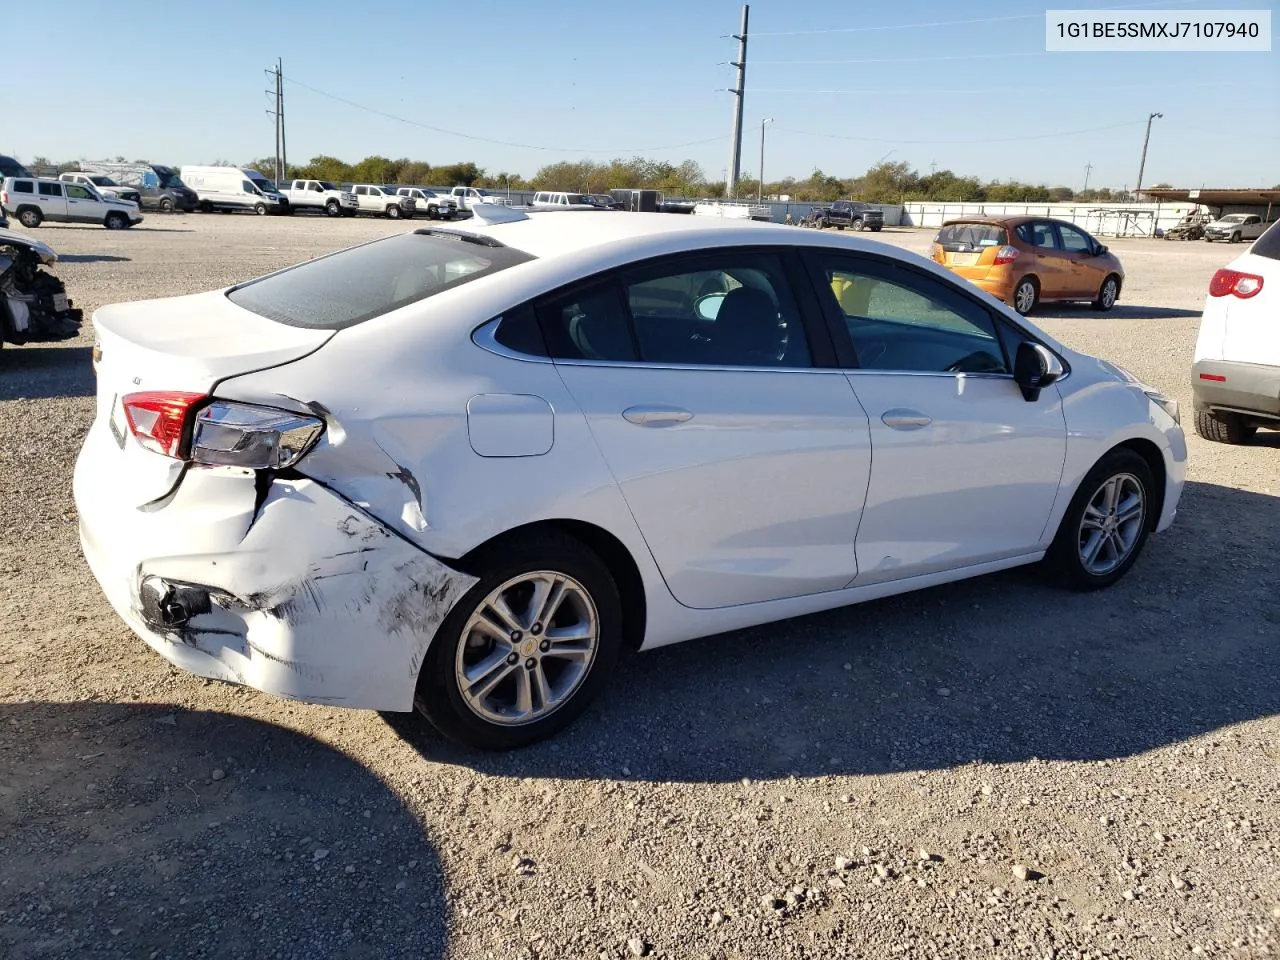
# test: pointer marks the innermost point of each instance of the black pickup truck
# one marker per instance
(848, 213)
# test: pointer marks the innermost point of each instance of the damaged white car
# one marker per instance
(464, 468)
(34, 306)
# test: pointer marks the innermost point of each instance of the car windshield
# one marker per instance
(104, 182)
(427, 193)
(360, 283)
(961, 237)
(263, 185)
(170, 181)
(579, 198)
(326, 185)
(1234, 218)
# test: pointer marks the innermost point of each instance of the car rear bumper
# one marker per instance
(303, 596)
(999, 286)
(1231, 386)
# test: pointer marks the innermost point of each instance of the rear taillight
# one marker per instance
(1235, 283)
(158, 419)
(1006, 254)
(4, 198)
(256, 438)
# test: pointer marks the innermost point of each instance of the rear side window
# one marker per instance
(1268, 245)
(966, 237)
(23, 186)
(50, 189)
(355, 285)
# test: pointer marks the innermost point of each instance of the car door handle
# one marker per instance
(656, 416)
(900, 419)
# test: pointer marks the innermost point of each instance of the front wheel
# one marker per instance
(433, 213)
(393, 212)
(1235, 238)
(1106, 524)
(116, 221)
(331, 208)
(260, 209)
(857, 224)
(1107, 294)
(166, 205)
(1025, 295)
(527, 648)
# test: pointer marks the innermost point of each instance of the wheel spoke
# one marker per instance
(546, 601)
(1091, 552)
(485, 623)
(1130, 509)
(541, 687)
(524, 692)
(581, 652)
(488, 674)
(575, 631)
(498, 611)
(1112, 497)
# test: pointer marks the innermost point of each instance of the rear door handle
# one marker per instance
(656, 415)
(902, 419)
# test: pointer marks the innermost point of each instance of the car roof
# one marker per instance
(1009, 221)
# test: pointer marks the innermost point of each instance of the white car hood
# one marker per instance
(43, 251)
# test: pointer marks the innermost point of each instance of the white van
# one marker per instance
(563, 201)
(233, 188)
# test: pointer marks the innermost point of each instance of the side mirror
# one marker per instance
(1035, 367)
(707, 307)
(1100, 250)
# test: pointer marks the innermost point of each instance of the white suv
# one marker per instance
(1235, 379)
(33, 200)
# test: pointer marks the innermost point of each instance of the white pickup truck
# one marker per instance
(465, 196)
(431, 203)
(321, 196)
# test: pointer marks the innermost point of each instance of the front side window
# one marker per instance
(900, 320)
(1073, 241)
(246, 186)
(50, 189)
(77, 192)
(362, 191)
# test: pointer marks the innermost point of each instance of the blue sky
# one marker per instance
(588, 79)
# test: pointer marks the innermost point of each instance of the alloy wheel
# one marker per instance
(1112, 524)
(1024, 297)
(527, 648)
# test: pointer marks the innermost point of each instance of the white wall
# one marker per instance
(1100, 219)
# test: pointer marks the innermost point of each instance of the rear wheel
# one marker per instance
(527, 648)
(1107, 294)
(115, 221)
(30, 218)
(1106, 524)
(260, 209)
(1025, 295)
(1221, 427)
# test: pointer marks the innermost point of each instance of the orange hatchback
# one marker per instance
(1026, 260)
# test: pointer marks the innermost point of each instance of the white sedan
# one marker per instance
(465, 468)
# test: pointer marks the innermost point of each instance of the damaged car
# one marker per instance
(463, 469)
(34, 305)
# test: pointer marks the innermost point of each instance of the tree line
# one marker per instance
(882, 183)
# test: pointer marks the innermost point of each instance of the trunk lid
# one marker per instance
(969, 249)
(186, 344)
(1251, 328)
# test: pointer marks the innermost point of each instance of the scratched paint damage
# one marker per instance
(308, 597)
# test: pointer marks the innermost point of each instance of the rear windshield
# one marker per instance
(1268, 245)
(355, 285)
(963, 237)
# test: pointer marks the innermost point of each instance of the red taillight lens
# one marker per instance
(159, 419)
(1006, 254)
(1235, 283)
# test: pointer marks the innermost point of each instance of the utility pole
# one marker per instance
(760, 182)
(1088, 168)
(1142, 164)
(735, 165)
(275, 73)
(284, 152)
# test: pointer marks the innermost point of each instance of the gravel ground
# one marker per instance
(993, 768)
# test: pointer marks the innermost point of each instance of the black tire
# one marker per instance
(1235, 238)
(115, 221)
(1063, 560)
(332, 208)
(30, 217)
(260, 209)
(433, 213)
(875, 229)
(166, 205)
(1021, 301)
(857, 224)
(204, 206)
(1108, 294)
(393, 212)
(438, 695)
(1223, 427)
(839, 226)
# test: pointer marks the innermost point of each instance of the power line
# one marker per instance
(973, 56)
(501, 143)
(957, 23)
(893, 91)
(897, 140)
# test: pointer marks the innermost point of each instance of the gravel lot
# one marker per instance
(868, 782)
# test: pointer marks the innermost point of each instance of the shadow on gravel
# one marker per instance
(1001, 669)
(91, 258)
(1121, 311)
(117, 842)
(37, 372)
